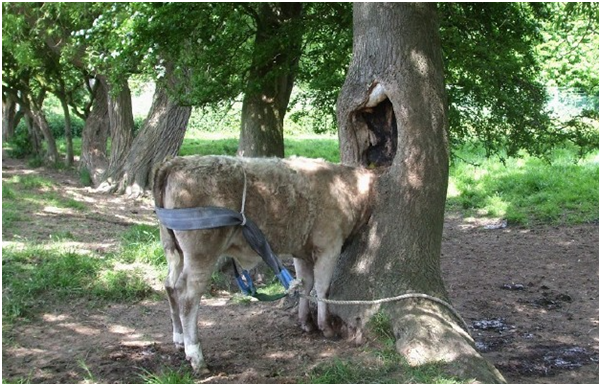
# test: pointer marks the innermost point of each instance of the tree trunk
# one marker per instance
(34, 136)
(274, 67)
(95, 135)
(10, 117)
(161, 136)
(392, 115)
(121, 122)
(68, 134)
(41, 123)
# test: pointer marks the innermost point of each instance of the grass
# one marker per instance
(384, 367)
(381, 364)
(141, 243)
(168, 377)
(36, 276)
(528, 191)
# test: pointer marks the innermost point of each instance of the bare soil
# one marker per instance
(531, 297)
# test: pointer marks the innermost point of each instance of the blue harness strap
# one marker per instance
(210, 217)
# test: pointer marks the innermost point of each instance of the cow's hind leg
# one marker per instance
(324, 269)
(190, 287)
(175, 264)
(304, 272)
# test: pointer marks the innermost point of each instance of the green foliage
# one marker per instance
(528, 190)
(569, 50)
(19, 145)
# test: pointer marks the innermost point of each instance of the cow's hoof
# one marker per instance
(329, 333)
(308, 326)
(202, 370)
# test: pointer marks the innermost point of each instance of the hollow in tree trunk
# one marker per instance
(392, 115)
(275, 62)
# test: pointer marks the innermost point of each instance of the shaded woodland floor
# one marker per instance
(531, 297)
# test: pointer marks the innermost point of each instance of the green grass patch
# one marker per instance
(313, 146)
(384, 367)
(122, 286)
(141, 243)
(168, 377)
(34, 276)
(528, 191)
(307, 145)
(26, 193)
(209, 143)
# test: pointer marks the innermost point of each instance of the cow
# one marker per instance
(306, 208)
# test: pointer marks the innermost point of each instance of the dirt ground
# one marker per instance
(531, 297)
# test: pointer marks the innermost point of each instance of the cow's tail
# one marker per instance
(160, 178)
(160, 174)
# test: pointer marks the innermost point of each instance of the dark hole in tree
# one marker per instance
(383, 137)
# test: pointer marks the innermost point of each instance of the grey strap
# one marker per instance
(206, 217)
(210, 217)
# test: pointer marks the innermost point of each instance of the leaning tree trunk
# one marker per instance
(41, 123)
(274, 67)
(161, 136)
(95, 135)
(121, 122)
(392, 115)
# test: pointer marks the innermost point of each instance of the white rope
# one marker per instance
(294, 289)
(243, 198)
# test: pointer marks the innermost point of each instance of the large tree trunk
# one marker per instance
(161, 136)
(392, 115)
(121, 122)
(271, 78)
(95, 135)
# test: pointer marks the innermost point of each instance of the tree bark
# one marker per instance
(34, 134)
(11, 116)
(69, 158)
(161, 136)
(121, 122)
(276, 54)
(95, 135)
(392, 115)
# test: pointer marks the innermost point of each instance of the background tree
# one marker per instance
(277, 49)
(392, 114)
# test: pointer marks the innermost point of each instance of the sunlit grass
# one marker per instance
(528, 190)
(34, 276)
(141, 243)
